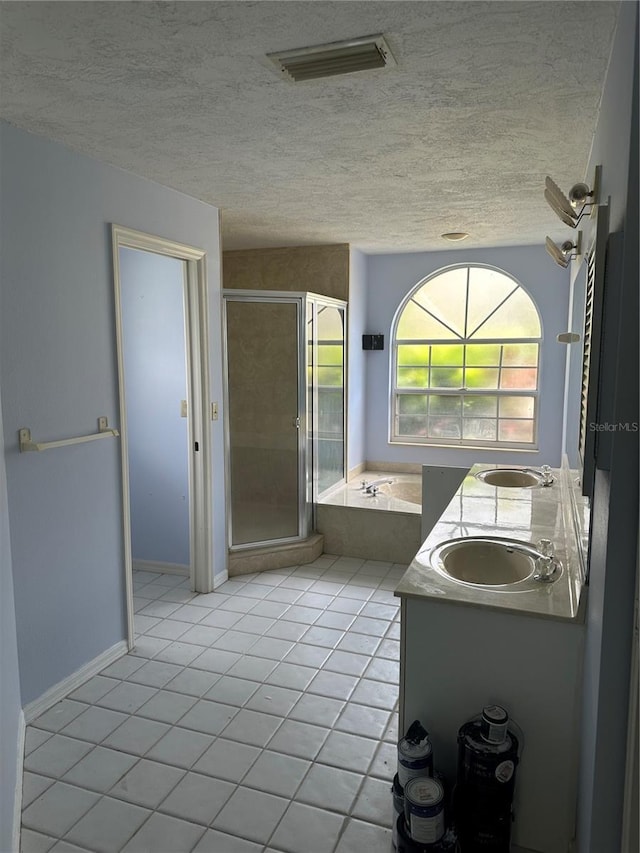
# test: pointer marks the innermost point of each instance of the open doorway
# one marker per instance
(164, 409)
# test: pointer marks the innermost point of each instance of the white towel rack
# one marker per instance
(104, 431)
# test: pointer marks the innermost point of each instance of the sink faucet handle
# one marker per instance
(546, 548)
(547, 476)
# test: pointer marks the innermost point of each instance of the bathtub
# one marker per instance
(385, 526)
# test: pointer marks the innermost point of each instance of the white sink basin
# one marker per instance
(515, 478)
(503, 565)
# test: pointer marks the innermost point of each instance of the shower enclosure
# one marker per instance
(285, 407)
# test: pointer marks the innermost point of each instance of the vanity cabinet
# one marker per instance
(455, 659)
(467, 645)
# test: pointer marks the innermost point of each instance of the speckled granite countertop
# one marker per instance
(528, 515)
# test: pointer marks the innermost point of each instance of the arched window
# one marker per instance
(466, 361)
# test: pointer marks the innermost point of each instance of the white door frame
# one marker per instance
(198, 406)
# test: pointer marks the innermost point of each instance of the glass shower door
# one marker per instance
(328, 371)
(263, 378)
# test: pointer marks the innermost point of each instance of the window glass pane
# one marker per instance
(487, 289)
(520, 431)
(330, 354)
(412, 425)
(520, 355)
(412, 404)
(331, 421)
(483, 355)
(516, 407)
(446, 377)
(519, 377)
(413, 354)
(447, 355)
(444, 405)
(479, 377)
(480, 407)
(496, 308)
(444, 428)
(480, 429)
(413, 377)
(416, 323)
(445, 297)
(517, 318)
(330, 323)
(330, 376)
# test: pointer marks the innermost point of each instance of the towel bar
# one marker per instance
(104, 431)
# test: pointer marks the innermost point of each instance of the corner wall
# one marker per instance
(614, 526)
(58, 361)
(318, 269)
(357, 362)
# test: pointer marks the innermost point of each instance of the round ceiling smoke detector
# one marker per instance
(454, 236)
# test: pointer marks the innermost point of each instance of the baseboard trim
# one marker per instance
(166, 568)
(17, 800)
(220, 578)
(71, 682)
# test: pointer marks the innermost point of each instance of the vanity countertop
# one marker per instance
(526, 514)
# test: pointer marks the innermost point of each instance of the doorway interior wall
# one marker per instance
(165, 388)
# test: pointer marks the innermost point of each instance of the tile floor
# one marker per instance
(261, 718)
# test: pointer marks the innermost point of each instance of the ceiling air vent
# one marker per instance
(340, 57)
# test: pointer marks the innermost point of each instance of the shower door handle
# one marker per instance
(296, 423)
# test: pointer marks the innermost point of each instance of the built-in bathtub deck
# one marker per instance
(385, 526)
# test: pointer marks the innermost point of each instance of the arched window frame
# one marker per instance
(397, 437)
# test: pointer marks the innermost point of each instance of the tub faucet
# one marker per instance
(372, 487)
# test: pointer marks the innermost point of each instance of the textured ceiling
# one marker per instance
(485, 100)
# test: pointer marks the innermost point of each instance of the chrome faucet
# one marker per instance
(547, 564)
(547, 477)
(372, 487)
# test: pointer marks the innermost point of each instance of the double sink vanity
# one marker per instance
(492, 612)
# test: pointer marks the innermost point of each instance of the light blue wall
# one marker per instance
(391, 277)
(357, 360)
(614, 529)
(155, 382)
(10, 704)
(58, 361)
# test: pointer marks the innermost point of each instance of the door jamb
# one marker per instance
(199, 423)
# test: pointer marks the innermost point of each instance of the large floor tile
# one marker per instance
(308, 829)
(56, 810)
(100, 769)
(359, 836)
(226, 759)
(275, 773)
(330, 788)
(164, 833)
(107, 826)
(251, 814)
(197, 798)
(180, 747)
(147, 784)
(57, 755)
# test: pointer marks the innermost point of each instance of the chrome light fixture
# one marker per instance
(564, 253)
(327, 60)
(580, 201)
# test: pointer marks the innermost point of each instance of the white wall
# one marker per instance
(357, 363)
(155, 359)
(58, 363)
(389, 280)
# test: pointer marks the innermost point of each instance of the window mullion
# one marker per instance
(431, 413)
